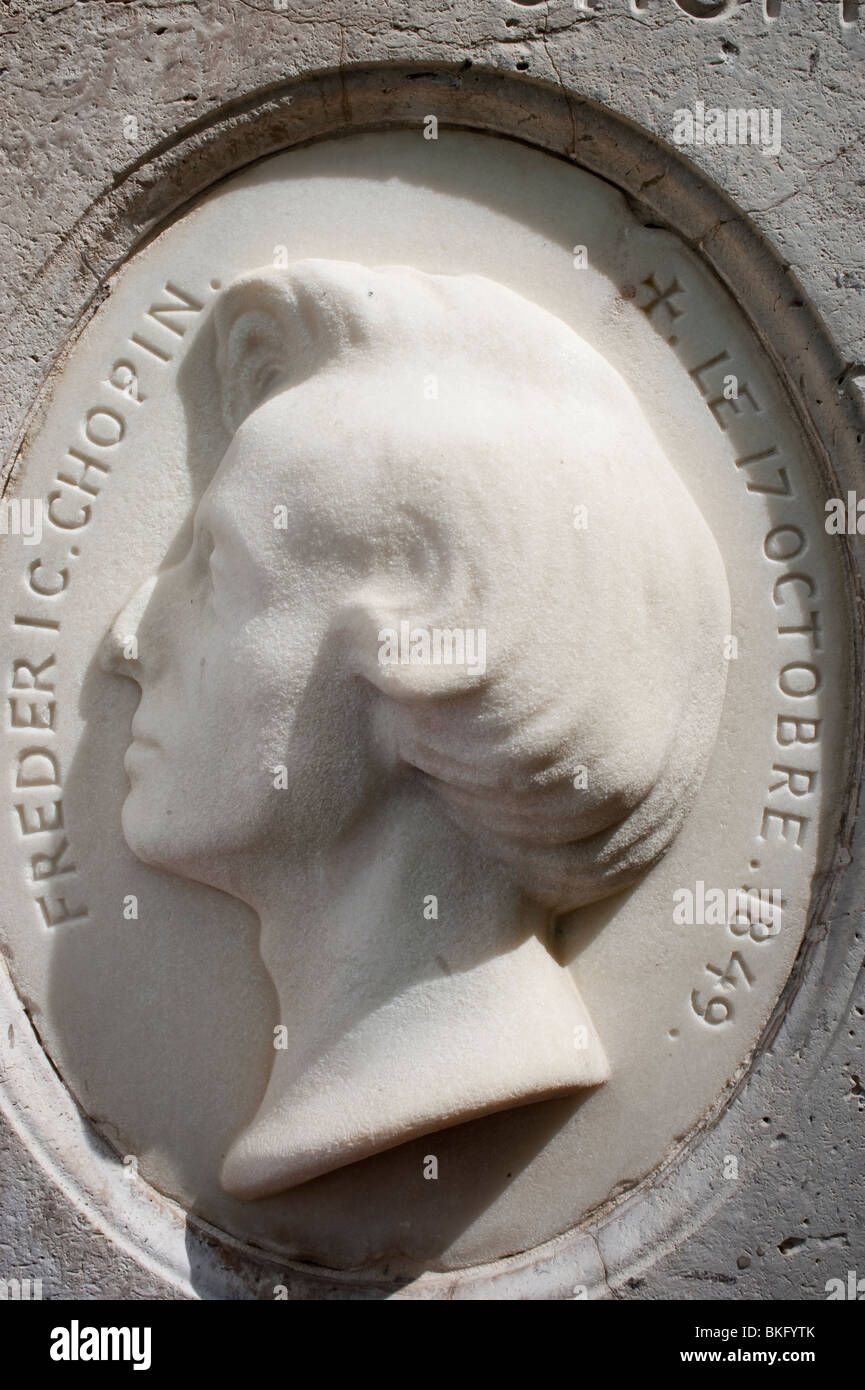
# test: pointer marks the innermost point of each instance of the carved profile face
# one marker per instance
(448, 455)
(414, 455)
(237, 690)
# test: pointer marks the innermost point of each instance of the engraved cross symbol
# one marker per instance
(664, 297)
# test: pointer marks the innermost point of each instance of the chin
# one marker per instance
(158, 839)
(149, 834)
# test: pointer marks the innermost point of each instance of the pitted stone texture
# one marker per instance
(76, 75)
(46, 1237)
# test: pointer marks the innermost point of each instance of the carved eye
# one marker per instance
(201, 559)
(204, 546)
(214, 564)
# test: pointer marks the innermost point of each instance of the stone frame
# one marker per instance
(614, 1251)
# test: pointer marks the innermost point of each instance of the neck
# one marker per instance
(398, 1023)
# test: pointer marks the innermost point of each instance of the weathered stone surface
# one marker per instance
(115, 116)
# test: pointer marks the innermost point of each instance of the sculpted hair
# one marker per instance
(529, 497)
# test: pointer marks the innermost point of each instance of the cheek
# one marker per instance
(231, 690)
(241, 711)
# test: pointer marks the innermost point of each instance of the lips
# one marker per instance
(144, 741)
(141, 743)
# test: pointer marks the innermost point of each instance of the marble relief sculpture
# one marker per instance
(443, 662)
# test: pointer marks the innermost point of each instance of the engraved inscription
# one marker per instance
(31, 693)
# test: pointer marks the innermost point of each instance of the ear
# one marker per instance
(409, 656)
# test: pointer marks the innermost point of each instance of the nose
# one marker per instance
(121, 655)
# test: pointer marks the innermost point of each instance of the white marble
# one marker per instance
(551, 776)
(432, 444)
